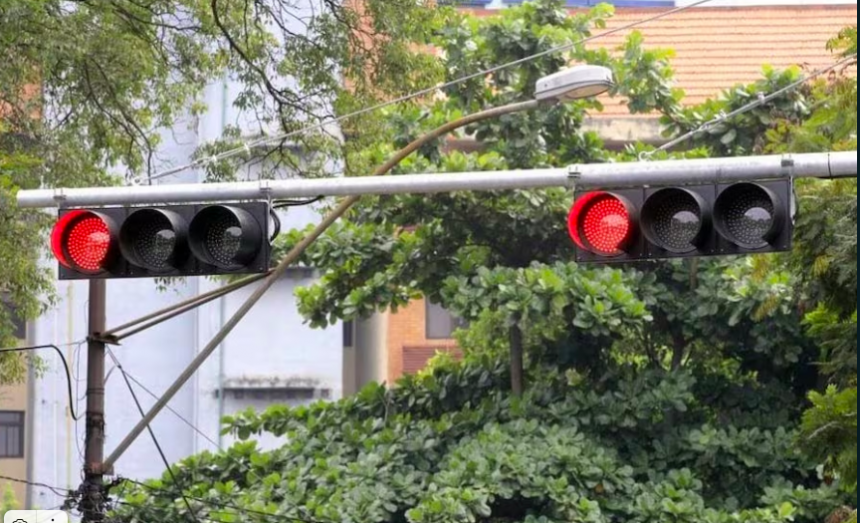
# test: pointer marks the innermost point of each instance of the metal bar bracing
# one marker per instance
(289, 259)
(115, 334)
(664, 172)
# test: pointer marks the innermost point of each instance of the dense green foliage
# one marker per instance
(8, 501)
(660, 392)
(455, 445)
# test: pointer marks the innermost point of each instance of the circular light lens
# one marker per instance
(606, 226)
(747, 215)
(88, 243)
(672, 219)
(58, 236)
(224, 236)
(224, 239)
(154, 239)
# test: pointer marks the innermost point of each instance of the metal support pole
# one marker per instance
(291, 257)
(93, 502)
(629, 174)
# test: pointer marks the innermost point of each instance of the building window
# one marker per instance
(348, 334)
(11, 434)
(440, 324)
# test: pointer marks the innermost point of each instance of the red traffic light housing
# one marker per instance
(603, 223)
(84, 241)
(674, 222)
(172, 240)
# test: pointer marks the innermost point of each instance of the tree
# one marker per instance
(640, 406)
(455, 445)
(87, 87)
(829, 431)
(8, 501)
(511, 255)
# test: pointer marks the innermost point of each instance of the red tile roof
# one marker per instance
(718, 47)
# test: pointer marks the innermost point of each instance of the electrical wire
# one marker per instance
(210, 519)
(72, 408)
(760, 100)
(277, 222)
(151, 432)
(279, 204)
(56, 490)
(260, 142)
(171, 409)
(222, 505)
(76, 361)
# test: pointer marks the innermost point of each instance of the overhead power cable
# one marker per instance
(223, 505)
(171, 409)
(267, 140)
(119, 366)
(59, 491)
(759, 101)
(72, 402)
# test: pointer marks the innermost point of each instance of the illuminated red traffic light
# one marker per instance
(649, 223)
(84, 241)
(602, 222)
(164, 241)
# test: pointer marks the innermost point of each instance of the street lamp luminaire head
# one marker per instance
(574, 83)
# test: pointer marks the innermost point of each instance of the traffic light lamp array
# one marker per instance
(679, 222)
(174, 240)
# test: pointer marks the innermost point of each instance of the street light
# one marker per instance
(570, 84)
(582, 81)
(574, 83)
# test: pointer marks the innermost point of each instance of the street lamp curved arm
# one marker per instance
(570, 84)
(582, 81)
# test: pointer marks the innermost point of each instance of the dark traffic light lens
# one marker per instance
(227, 237)
(224, 238)
(747, 215)
(154, 239)
(601, 222)
(674, 219)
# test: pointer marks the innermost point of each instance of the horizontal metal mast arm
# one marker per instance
(666, 172)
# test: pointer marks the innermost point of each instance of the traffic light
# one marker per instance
(170, 240)
(678, 222)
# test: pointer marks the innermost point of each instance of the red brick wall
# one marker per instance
(408, 346)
